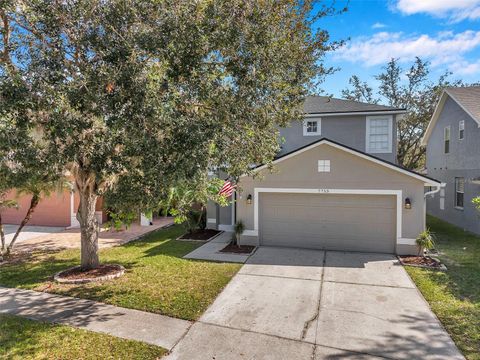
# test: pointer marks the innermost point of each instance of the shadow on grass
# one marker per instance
(22, 338)
(172, 248)
(460, 251)
(29, 274)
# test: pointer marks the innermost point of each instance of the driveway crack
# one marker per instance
(310, 321)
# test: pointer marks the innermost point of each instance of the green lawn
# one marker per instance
(27, 339)
(157, 278)
(454, 296)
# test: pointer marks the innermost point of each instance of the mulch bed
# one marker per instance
(235, 249)
(200, 235)
(422, 261)
(76, 275)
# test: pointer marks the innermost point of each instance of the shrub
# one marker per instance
(425, 241)
(120, 219)
(476, 202)
(237, 231)
(196, 219)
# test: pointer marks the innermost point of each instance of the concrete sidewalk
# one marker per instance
(130, 324)
(211, 251)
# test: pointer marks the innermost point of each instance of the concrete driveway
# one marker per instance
(306, 304)
(29, 232)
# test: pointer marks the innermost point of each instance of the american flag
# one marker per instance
(227, 189)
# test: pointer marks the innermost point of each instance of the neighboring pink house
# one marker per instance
(59, 209)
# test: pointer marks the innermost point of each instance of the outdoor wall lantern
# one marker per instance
(408, 203)
(249, 199)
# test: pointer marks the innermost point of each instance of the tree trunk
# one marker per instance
(2, 237)
(89, 229)
(33, 205)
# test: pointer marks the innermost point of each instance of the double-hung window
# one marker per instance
(446, 140)
(459, 192)
(461, 129)
(379, 134)
(312, 127)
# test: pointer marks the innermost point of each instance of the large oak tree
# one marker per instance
(157, 90)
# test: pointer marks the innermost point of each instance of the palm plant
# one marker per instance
(425, 241)
(237, 232)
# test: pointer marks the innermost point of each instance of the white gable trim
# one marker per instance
(438, 111)
(427, 181)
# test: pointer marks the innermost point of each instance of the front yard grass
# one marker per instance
(27, 339)
(454, 295)
(157, 278)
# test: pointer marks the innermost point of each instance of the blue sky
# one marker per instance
(445, 32)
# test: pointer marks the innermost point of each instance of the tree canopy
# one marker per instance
(151, 93)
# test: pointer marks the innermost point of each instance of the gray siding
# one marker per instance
(347, 130)
(462, 161)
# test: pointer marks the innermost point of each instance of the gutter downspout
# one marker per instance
(430, 193)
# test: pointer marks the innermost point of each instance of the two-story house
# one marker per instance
(452, 142)
(334, 185)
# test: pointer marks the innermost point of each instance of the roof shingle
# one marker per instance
(325, 104)
(468, 97)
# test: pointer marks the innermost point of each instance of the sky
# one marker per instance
(444, 32)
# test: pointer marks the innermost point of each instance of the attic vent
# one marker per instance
(323, 165)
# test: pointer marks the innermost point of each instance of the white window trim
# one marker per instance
(458, 192)
(445, 138)
(461, 126)
(390, 134)
(257, 191)
(319, 127)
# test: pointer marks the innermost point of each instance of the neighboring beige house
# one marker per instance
(327, 194)
(58, 209)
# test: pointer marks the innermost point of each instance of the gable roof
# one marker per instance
(374, 159)
(329, 105)
(468, 98)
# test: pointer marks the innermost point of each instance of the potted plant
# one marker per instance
(425, 242)
(238, 231)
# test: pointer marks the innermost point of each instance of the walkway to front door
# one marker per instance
(304, 304)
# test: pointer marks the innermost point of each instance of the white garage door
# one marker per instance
(327, 221)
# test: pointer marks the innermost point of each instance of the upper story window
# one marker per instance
(459, 192)
(446, 140)
(379, 134)
(461, 129)
(312, 127)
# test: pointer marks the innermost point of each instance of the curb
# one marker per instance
(57, 276)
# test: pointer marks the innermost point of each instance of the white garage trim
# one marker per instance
(406, 241)
(397, 193)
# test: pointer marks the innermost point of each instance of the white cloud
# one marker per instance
(378, 25)
(445, 48)
(455, 10)
(466, 68)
